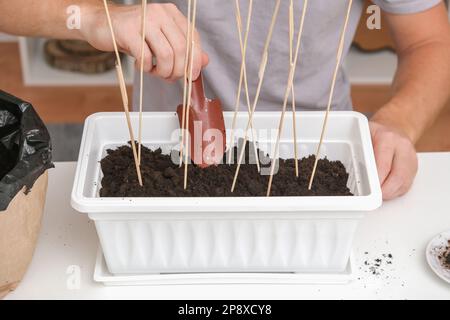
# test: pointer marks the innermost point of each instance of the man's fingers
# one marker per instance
(198, 57)
(179, 19)
(384, 155)
(132, 46)
(177, 41)
(201, 59)
(165, 37)
(205, 59)
(401, 176)
(163, 51)
(148, 57)
(394, 181)
(396, 160)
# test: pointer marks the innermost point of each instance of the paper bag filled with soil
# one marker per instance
(25, 156)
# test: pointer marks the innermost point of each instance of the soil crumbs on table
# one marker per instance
(163, 178)
(377, 266)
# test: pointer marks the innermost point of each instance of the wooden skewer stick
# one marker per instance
(123, 91)
(116, 50)
(286, 95)
(189, 97)
(261, 73)
(141, 89)
(185, 79)
(186, 153)
(243, 77)
(291, 57)
(333, 84)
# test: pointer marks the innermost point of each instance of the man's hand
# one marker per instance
(166, 32)
(396, 160)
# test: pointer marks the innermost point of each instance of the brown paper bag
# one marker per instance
(19, 230)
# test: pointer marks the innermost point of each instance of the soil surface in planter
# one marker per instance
(163, 178)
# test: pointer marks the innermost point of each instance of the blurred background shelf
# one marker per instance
(7, 38)
(361, 67)
(375, 68)
(37, 72)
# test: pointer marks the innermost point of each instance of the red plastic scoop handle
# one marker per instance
(198, 95)
(208, 115)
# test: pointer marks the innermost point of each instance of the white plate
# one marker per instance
(101, 274)
(434, 248)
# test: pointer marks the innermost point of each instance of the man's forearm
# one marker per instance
(420, 89)
(422, 82)
(43, 18)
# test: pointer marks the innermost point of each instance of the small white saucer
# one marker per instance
(101, 274)
(434, 248)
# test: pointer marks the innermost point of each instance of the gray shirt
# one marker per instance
(323, 24)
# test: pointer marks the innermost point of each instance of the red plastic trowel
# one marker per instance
(206, 127)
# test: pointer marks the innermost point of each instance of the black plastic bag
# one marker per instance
(25, 147)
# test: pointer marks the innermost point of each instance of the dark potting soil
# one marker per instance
(444, 256)
(162, 178)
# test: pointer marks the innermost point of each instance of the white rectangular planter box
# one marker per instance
(260, 234)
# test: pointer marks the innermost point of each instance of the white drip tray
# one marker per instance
(102, 275)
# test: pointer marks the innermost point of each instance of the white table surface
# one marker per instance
(402, 227)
